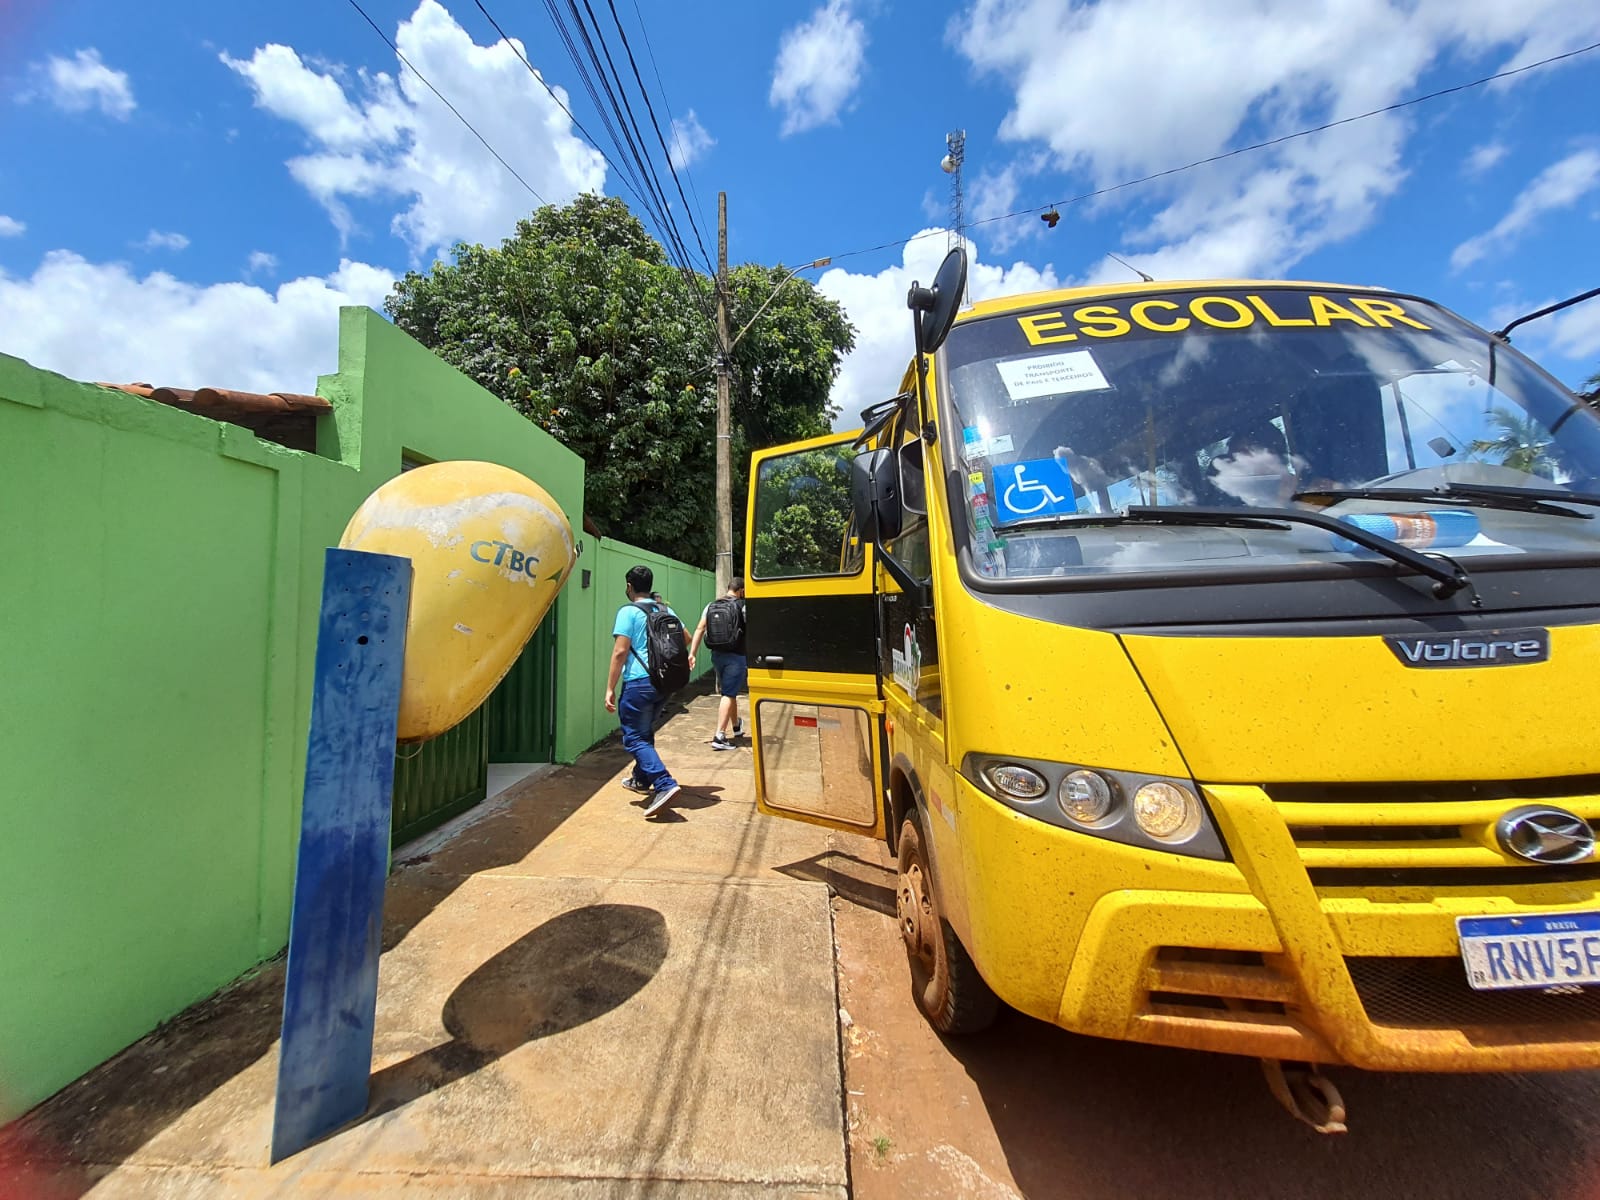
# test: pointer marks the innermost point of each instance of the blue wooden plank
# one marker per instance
(330, 992)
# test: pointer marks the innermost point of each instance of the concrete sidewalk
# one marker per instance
(574, 1001)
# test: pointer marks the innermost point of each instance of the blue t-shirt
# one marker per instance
(630, 624)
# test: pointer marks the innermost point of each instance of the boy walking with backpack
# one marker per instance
(650, 660)
(722, 628)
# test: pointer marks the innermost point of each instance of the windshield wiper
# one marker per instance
(1151, 514)
(1448, 576)
(1472, 495)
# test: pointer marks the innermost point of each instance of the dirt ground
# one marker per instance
(1026, 1109)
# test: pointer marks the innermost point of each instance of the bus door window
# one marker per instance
(910, 642)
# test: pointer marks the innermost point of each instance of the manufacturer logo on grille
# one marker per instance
(1545, 835)
(1491, 648)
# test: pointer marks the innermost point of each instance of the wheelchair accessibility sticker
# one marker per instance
(1038, 488)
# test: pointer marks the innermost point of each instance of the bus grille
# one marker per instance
(1433, 993)
(1426, 835)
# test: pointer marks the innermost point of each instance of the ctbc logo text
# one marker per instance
(1494, 648)
(503, 553)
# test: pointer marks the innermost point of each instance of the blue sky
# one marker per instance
(188, 191)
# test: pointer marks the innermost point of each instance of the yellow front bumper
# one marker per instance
(1249, 957)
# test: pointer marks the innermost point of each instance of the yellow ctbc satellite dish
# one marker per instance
(489, 551)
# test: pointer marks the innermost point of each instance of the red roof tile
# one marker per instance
(287, 418)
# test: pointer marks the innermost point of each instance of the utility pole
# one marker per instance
(724, 420)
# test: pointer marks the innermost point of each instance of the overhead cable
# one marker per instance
(656, 125)
(623, 109)
(1262, 145)
(447, 104)
(650, 53)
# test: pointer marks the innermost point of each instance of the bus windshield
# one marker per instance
(1256, 398)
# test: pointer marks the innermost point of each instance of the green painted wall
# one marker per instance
(162, 576)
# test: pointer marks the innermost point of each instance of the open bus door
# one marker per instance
(812, 641)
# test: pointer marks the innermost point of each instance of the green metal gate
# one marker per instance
(521, 713)
(439, 779)
(517, 723)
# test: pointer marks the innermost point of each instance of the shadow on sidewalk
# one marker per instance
(854, 879)
(62, 1147)
(572, 969)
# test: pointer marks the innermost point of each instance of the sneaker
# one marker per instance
(719, 742)
(660, 799)
(633, 785)
(737, 730)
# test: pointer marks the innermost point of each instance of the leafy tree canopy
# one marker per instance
(579, 322)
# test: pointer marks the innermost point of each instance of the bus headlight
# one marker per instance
(1168, 811)
(1155, 812)
(1085, 796)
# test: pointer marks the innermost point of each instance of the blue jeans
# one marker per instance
(637, 709)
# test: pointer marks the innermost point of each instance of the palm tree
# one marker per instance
(1522, 445)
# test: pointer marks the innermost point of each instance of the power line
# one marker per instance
(689, 275)
(672, 236)
(656, 125)
(629, 170)
(532, 70)
(635, 138)
(447, 104)
(1277, 141)
(638, 188)
(651, 54)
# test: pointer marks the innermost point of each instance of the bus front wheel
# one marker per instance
(944, 980)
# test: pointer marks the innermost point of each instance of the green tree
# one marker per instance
(1591, 391)
(1523, 443)
(580, 323)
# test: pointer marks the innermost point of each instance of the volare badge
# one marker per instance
(1488, 648)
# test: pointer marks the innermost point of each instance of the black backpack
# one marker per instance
(666, 657)
(724, 623)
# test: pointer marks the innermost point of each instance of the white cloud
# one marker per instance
(1154, 84)
(83, 82)
(391, 137)
(156, 240)
(1485, 157)
(1576, 332)
(876, 306)
(994, 193)
(261, 263)
(10, 226)
(1559, 185)
(689, 140)
(102, 321)
(819, 65)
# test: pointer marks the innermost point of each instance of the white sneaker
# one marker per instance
(660, 798)
(719, 742)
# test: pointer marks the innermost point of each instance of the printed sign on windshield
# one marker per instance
(1039, 487)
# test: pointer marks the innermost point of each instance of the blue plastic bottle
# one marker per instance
(1436, 529)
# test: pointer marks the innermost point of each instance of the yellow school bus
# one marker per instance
(1218, 660)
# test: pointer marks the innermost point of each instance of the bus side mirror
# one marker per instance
(913, 485)
(875, 494)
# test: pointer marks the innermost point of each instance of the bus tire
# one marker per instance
(944, 980)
